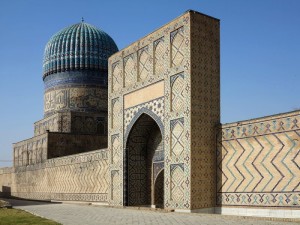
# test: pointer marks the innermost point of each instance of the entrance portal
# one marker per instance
(144, 164)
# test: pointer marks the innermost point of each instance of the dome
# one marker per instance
(78, 47)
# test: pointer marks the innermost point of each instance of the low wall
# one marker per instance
(81, 177)
(6, 180)
(259, 162)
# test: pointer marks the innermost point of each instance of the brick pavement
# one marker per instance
(72, 214)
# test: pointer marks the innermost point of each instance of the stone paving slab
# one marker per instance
(72, 214)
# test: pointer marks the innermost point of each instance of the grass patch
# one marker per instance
(17, 216)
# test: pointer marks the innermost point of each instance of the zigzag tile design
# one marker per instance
(81, 177)
(260, 159)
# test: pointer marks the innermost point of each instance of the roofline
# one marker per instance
(262, 118)
(187, 11)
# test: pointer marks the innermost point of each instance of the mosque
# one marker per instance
(141, 127)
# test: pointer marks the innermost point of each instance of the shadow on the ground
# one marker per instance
(25, 202)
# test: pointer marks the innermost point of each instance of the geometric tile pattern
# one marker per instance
(129, 74)
(115, 185)
(115, 112)
(159, 190)
(159, 56)
(142, 148)
(165, 56)
(177, 183)
(80, 177)
(79, 46)
(156, 106)
(205, 109)
(117, 77)
(178, 47)
(178, 92)
(152, 57)
(262, 199)
(260, 159)
(115, 151)
(144, 64)
(177, 138)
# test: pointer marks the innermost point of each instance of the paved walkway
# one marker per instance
(84, 214)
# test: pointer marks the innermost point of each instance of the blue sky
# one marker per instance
(260, 52)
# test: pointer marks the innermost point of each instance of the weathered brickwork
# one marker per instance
(55, 144)
(31, 151)
(6, 181)
(259, 162)
(81, 177)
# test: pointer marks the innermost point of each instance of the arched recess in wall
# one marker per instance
(144, 161)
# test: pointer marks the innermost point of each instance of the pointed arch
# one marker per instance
(142, 111)
(143, 158)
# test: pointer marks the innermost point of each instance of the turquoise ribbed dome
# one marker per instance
(77, 47)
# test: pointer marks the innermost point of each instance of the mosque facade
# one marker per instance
(141, 127)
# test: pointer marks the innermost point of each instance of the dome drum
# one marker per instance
(75, 70)
(78, 47)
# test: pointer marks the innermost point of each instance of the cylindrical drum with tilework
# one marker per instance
(75, 70)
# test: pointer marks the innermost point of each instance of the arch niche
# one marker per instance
(144, 166)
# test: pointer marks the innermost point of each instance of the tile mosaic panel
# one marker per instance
(115, 113)
(177, 186)
(259, 162)
(115, 151)
(129, 71)
(177, 46)
(117, 77)
(81, 177)
(144, 68)
(159, 56)
(205, 108)
(178, 93)
(177, 137)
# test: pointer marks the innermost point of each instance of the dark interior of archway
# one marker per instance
(144, 162)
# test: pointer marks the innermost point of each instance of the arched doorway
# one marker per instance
(144, 164)
(159, 190)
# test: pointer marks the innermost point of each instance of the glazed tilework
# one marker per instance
(80, 46)
(205, 109)
(144, 64)
(144, 146)
(166, 146)
(129, 70)
(81, 177)
(117, 77)
(163, 55)
(156, 106)
(80, 98)
(259, 162)
(178, 94)
(76, 77)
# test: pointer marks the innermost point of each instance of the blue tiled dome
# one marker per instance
(78, 47)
